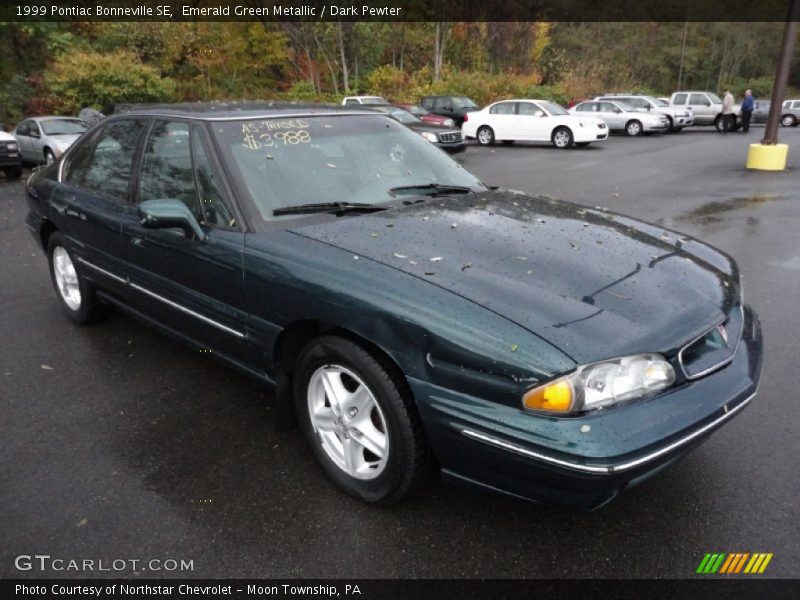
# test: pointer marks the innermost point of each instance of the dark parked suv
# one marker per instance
(454, 107)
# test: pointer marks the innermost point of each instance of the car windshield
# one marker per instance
(63, 126)
(403, 116)
(659, 102)
(373, 100)
(714, 98)
(417, 110)
(553, 108)
(462, 102)
(291, 161)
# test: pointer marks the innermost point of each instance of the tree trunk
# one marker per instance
(343, 58)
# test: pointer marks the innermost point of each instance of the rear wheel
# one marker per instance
(633, 128)
(562, 138)
(788, 121)
(360, 421)
(76, 295)
(719, 123)
(485, 136)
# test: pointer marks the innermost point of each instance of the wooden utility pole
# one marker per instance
(782, 74)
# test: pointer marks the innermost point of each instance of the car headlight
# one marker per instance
(431, 137)
(449, 123)
(12, 146)
(602, 384)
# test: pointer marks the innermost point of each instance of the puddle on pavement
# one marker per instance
(710, 212)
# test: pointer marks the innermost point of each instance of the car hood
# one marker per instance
(594, 284)
(432, 128)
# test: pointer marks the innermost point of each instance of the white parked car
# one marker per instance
(525, 120)
(373, 100)
(620, 116)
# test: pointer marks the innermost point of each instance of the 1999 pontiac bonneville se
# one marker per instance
(410, 317)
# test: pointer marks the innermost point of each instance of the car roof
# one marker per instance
(220, 111)
(52, 117)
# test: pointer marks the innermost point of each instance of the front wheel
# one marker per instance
(633, 128)
(75, 294)
(485, 136)
(562, 138)
(49, 157)
(788, 121)
(360, 421)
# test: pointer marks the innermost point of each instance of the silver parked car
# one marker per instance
(620, 116)
(707, 108)
(45, 139)
(678, 117)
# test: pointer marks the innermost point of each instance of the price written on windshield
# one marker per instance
(271, 134)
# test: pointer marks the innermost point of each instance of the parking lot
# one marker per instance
(117, 442)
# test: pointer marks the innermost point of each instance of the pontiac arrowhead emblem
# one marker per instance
(723, 333)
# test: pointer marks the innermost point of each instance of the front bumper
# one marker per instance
(559, 460)
(453, 147)
(655, 126)
(679, 121)
(10, 159)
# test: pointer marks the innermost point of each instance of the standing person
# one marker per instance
(747, 110)
(728, 118)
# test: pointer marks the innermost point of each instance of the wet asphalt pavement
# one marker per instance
(118, 443)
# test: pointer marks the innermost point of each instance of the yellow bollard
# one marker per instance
(767, 158)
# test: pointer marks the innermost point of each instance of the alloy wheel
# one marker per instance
(348, 422)
(66, 278)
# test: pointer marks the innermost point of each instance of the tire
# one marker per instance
(719, 123)
(670, 127)
(13, 172)
(75, 293)
(49, 157)
(562, 138)
(788, 121)
(485, 135)
(634, 128)
(381, 457)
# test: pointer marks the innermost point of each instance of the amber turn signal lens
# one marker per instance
(554, 397)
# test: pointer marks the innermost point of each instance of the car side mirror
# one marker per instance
(34, 134)
(169, 214)
(618, 110)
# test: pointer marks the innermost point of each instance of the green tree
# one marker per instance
(79, 79)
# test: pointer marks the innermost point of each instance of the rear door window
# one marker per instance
(699, 100)
(679, 99)
(504, 108)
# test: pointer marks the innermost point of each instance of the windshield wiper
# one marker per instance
(332, 207)
(431, 189)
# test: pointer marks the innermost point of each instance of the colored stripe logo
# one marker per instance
(733, 563)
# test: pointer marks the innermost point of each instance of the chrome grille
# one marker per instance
(450, 136)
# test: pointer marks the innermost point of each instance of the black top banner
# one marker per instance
(397, 10)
